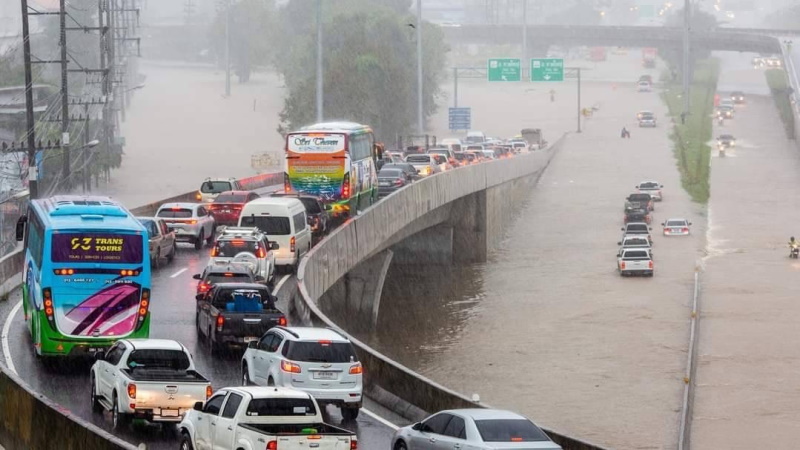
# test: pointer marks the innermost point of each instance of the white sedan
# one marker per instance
(651, 187)
(477, 429)
(676, 227)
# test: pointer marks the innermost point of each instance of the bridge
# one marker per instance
(742, 40)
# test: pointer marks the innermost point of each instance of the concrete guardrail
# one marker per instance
(365, 235)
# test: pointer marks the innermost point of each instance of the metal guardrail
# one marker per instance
(684, 438)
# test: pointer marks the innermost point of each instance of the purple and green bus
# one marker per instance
(86, 281)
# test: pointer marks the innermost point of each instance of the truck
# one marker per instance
(236, 314)
(534, 138)
(633, 261)
(162, 240)
(649, 57)
(257, 418)
(150, 379)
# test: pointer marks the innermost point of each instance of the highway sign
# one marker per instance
(460, 118)
(547, 69)
(504, 69)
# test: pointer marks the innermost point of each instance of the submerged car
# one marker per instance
(676, 227)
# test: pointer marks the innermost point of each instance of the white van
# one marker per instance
(284, 221)
(476, 137)
(454, 145)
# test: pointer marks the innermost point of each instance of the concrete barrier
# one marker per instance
(379, 227)
(29, 420)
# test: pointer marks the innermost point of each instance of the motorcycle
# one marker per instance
(720, 121)
(721, 149)
(794, 251)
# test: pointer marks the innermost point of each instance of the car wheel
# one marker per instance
(198, 242)
(96, 406)
(400, 446)
(172, 252)
(245, 376)
(117, 418)
(349, 414)
(210, 240)
(270, 382)
(296, 264)
(186, 442)
(157, 260)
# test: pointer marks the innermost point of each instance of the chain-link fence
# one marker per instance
(10, 211)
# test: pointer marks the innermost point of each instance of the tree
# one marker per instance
(369, 65)
(251, 22)
(699, 20)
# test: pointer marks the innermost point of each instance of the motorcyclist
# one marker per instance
(625, 133)
(793, 243)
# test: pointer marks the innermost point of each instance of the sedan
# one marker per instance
(407, 169)
(390, 180)
(676, 227)
(228, 205)
(478, 429)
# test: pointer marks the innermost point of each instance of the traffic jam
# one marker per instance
(289, 374)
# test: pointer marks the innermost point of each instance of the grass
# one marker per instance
(779, 86)
(691, 139)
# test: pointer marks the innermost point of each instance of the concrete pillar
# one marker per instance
(468, 220)
(433, 246)
(362, 287)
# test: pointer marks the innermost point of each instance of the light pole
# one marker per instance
(420, 118)
(87, 181)
(228, 49)
(686, 61)
(524, 31)
(320, 98)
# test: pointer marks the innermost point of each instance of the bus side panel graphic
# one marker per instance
(112, 311)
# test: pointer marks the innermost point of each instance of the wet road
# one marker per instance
(173, 317)
(747, 374)
(547, 327)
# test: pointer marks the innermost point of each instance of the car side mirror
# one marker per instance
(100, 356)
(619, 243)
(22, 222)
(274, 246)
(196, 276)
(199, 297)
(417, 426)
(198, 406)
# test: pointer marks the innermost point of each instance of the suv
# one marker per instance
(647, 120)
(447, 153)
(640, 200)
(316, 214)
(653, 188)
(637, 228)
(212, 187)
(247, 246)
(319, 361)
(223, 273)
(191, 222)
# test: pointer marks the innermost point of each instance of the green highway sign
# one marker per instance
(504, 69)
(547, 69)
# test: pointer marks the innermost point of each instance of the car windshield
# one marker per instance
(175, 213)
(320, 351)
(676, 223)
(230, 198)
(509, 430)
(390, 173)
(636, 242)
(639, 197)
(215, 187)
(636, 254)
(273, 226)
(159, 359)
(281, 407)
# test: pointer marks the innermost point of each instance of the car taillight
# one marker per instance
(346, 187)
(292, 243)
(287, 187)
(209, 391)
(622, 265)
(49, 309)
(286, 366)
(650, 264)
(144, 307)
(191, 222)
(203, 287)
(685, 230)
(220, 323)
(132, 390)
(357, 369)
(282, 321)
(398, 182)
(261, 253)
(354, 445)
(215, 251)
(198, 196)
(272, 445)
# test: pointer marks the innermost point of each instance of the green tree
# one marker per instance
(369, 65)
(251, 22)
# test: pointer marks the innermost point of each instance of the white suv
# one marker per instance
(191, 222)
(249, 246)
(319, 361)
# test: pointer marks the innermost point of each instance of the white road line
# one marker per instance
(6, 327)
(280, 284)
(379, 419)
(179, 272)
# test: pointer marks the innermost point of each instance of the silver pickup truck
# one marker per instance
(635, 261)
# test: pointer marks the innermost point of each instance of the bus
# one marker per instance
(86, 280)
(335, 161)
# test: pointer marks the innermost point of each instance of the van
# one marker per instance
(454, 145)
(284, 221)
(476, 137)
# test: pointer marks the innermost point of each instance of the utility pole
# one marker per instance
(579, 99)
(65, 156)
(420, 117)
(524, 31)
(228, 49)
(686, 61)
(320, 84)
(33, 175)
(455, 87)
(85, 174)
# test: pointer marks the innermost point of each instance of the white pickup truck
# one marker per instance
(258, 418)
(151, 379)
(635, 261)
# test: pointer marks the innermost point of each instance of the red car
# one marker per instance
(227, 207)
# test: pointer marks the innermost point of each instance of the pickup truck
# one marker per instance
(640, 200)
(634, 261)
(637, 228)
(151, 379)
(258, 418)
(162, 239)
(236, 314)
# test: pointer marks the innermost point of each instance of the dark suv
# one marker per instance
(316, 215)
(223, 273)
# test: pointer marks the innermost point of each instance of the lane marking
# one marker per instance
(280, 284)
(6, 327)
(179, 272)
(379, 419)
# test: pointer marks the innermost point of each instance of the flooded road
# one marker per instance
(546, 326)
